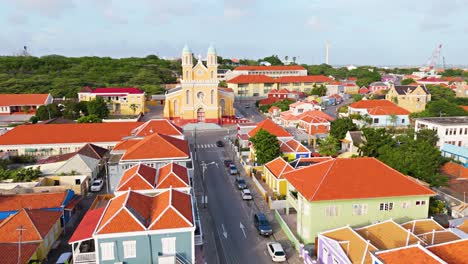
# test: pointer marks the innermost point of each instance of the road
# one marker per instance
(251, 112)
(331, 110)
(226, 210)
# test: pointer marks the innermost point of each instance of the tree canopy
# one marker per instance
(266, 146)
(407, 81)
(89, 119)
(328, 146)
(319, 90)
(98, 107)
(340, 126)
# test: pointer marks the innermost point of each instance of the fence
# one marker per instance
(277, 204)
(287, 231)
(259, 187)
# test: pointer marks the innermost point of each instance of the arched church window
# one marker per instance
(200, 96)
(212, 96)
(187, 97)
(212, 74)
(176, 107)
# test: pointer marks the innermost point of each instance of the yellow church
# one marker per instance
(198, 99)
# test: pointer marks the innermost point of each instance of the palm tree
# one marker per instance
(134, 107)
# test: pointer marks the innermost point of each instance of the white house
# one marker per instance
(450, 130)
(380, 113)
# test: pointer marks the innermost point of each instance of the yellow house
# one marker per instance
(120, 101)
(293, 149)
(410, 97)
(273, 173)
(198, 98)
(40, 228)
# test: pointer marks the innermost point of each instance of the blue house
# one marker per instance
(457, 153)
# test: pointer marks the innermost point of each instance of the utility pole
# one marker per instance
(20, 229)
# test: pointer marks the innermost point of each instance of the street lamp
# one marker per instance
(204, 167)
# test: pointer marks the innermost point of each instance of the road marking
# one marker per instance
(225, 234)
(243, 229)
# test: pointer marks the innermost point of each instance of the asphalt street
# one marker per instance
(231, 230)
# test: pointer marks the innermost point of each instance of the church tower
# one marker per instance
(187, 64)
(212, 62)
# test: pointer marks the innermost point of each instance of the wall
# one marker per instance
(385, 121)
(52, 149)
(284, 226)
(315, 219)
(442, 131)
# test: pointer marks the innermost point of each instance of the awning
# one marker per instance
(30, 150)
(88, 224)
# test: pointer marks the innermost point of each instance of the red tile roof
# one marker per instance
(161, 126)
(304, 79)
(273, 109)
(380, 107)
(67, 133)
(9, 252)
(126, 144)
(452, 252)
(157, 146)
(353, 178)
(416, 254)
(270, 68)
(465, 107)
(37, 224)
(278, 166)
(455, 170)
(33, 201)
(172, 175)
(121, 90)
(271, 127)
(292, 146)
(23, 99)
(243, 79)
(138, 177)
(138, 212)
(86, 228)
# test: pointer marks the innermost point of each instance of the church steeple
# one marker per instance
(212, 62)
(187, 63)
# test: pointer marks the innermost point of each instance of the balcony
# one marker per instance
(292, 199)
(84, 252)
(89, 257)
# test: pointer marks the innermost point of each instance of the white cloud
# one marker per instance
(238, 8)
(49, 8)
(315, 23)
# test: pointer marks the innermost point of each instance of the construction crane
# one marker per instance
(431, 64)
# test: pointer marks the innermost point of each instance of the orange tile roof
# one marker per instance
(417, 255)
(270, 68)
(158, 146)
(37, 224)
(278, 166)
(371, 104)
(33, 201)
(353, 178)
(438, 237)
(464, 227)
(353, 245)
(126, 144)
(452, 252)
(422, 226)
(244, 79)
(67, 133)
(271, 127)
(292, 146)
(273, 108)
(380, 107)
(23, 99)
(387, 235)
(161, 126)
(86, 227)
(138, 177)
(172, 175)
(138, 212)
(9, 252)
(454, 169)
(316, 115)
(304, 79)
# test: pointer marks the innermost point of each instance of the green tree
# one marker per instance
(273, 60)
(357, 97)
(328, 146)
(427, 135)
(407, 81)
(33, 119)
(393, 119)
(375, 139)
(319, 90)
(98, 107)
(266, 146)
(134, 107)
(222, 84)
(89, 119)
(340, 126)
(45, 112)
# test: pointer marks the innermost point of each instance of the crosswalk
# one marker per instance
(206, 146)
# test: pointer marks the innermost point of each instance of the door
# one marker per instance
(168, 246)
(200, 115)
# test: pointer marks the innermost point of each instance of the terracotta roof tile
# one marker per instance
(270, 68)
(121, 222)
(292, 146)
(161, 126)
(452, 252)
(87, 226)
(9, 252)
(387, 235)
(352, 178)
(278, 166)
(126, 144)
(273, 108)
(438, 237)
(67, 133)
(157, 146)
(172, 175)
(23, 99)
(304, 79)
(138, 177)
(417, 255)
(245, 79)
(33, 201)
(422, 226)
(271, 127)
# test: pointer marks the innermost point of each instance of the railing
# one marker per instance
(182, 260)
(292, 200)
(89, 257)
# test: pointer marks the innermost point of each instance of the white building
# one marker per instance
(271, 71)
(451, 130)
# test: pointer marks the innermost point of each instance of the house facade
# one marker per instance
(411, 98)
(352, 191)
(120, 101)
(23, 103)
(378, 113)
(271, 71)
(199, 99)
(352, 142)
(450, 130)
(273, 173)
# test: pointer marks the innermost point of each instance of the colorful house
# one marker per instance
(273, 174)
(12, 104)
(293, 149)
(120, 101)
(378, 113)
(352, 142)
(199, 99)
(411, 98)
(138, 228)
(354, 191)
(35, 229)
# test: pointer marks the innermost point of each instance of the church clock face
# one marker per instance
(200, 96)
(199, 72)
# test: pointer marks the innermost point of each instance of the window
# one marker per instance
(332, 210)
(129, 248)
(402, 120)
(388, 206)
(325, 255)
(187, 97)
(420, 203)
(405, 205)
(359, 209)
(335, 261)
(376, 120)
(212, 96)
(107, 251)
(186, 75)
(168, 245)
(77, 181)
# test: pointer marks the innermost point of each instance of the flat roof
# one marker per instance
(453, 120)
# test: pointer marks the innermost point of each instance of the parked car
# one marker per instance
(97, 184)
(228, 163)
(219, 143)
(247, 106)
(233, 169)
(276, 252)
(241, 183)
(246, 195)
(262, 224)
(65, 258)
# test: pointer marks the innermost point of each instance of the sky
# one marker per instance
(364, 32)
